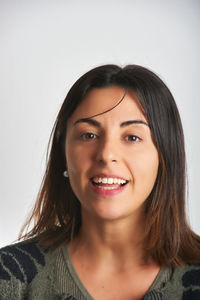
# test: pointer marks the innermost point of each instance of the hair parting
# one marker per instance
(118, 103)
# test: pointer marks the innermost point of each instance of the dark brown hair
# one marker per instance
(57, 212)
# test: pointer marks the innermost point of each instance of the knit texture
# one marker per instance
(28, 271)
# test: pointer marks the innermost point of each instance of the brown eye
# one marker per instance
(132, 138)
(88, 136)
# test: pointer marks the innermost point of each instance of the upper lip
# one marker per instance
(103, 175)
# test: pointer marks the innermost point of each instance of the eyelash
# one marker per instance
(87, 136)
(136, 138)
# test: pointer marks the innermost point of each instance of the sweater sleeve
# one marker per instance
(11, 289)
(19, 264)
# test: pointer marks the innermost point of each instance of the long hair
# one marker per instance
(57, 212)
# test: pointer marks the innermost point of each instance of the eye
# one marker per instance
(132, 138)
(88, 136)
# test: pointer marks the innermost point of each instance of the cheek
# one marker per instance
(145, 169)
(74, 163)
(74, 167)
(78, 160)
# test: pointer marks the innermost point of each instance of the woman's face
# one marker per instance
(111, 159)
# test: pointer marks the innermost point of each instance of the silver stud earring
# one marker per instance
(65, 174)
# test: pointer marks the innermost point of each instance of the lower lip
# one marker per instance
(107, 193)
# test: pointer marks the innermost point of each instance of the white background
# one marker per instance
(46, 45)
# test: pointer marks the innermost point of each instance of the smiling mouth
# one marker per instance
(108, 183)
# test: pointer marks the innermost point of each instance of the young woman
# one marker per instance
(110, 217)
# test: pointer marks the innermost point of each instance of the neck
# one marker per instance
(118, 241)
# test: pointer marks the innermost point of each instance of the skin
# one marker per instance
(109, 245)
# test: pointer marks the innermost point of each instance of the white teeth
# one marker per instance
(107, 187)
(115, 180)
(104, 180)
(109, 180)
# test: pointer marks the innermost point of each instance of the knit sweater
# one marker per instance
(28, 271)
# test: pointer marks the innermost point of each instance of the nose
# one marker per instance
(107, 151)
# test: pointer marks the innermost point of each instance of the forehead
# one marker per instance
(100, 100)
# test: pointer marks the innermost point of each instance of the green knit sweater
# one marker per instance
(29, 272)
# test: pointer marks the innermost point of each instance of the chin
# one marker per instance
(110, 212)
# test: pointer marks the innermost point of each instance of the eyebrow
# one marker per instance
(98, 124)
